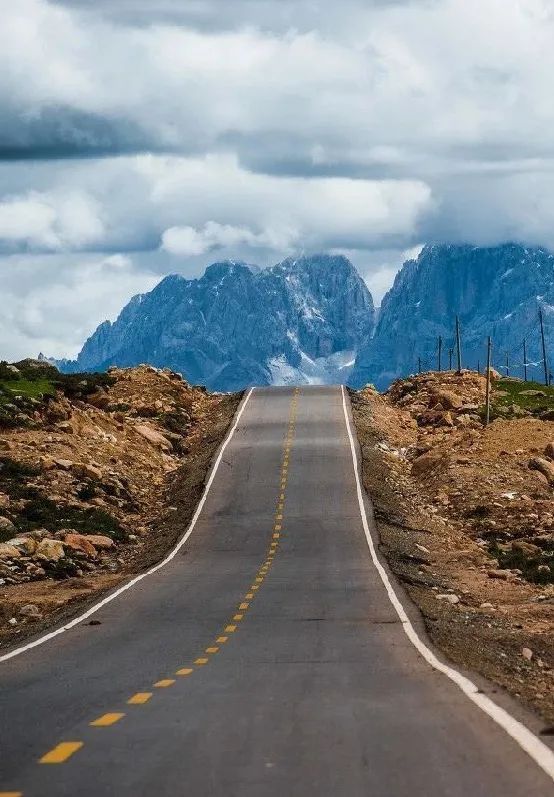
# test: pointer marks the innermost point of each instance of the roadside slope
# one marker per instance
(466, 524)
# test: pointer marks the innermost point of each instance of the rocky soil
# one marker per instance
(466, 519)
(93, 476)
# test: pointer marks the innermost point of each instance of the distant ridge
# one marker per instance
(301, 321)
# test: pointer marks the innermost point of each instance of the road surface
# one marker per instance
(264, 660)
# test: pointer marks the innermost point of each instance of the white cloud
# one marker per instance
(52, 303)
(188, 241)
(50, 221)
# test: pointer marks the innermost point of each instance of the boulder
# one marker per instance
(526, 548)
(6, 526)
(448, 399)
(428, 462)
(30, 610)
(494, 375)
(100, 541)
(50, 550)
(156, 438)
(8, 551)
(79, 542)
(85, 471)
(63, 464)
(27, 545)
(543, 466)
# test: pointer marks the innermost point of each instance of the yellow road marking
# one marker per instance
(249, 595)
(107, 719)
(230, 628)
(237, 617)
(276, 535)
(60, 753)
(139, 698)
(244, 605)
(278, 517)
(212, 650)
(201, 660)
(282, 496)
(259, 580)
(184, 671)
(277, 527)
(164, 682)
(11, 794)
(255, 586)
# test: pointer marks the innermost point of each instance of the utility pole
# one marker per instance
(546, 379)
(419, 365)
(524, 360)
(488, 392)
(478, 366)
(458, 346)
(507, 364)
(450, 353)
(440, 352)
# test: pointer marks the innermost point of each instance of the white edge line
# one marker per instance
(76, 620)
(539, 752)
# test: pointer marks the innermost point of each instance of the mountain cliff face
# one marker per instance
(495, 291)
(300, 321)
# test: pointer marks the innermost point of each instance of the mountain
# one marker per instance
(495, 291)
(300, 321)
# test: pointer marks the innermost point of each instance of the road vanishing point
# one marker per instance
(267, 656)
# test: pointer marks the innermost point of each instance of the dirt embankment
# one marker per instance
(98, 478)
(465, 515)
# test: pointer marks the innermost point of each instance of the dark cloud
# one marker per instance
(54, 132)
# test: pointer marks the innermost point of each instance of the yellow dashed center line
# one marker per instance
(107, 719)
(61, 753)
(139, 698)
(11, 794)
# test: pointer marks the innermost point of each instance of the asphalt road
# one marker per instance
(296, 678)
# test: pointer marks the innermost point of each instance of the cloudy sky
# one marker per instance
(141, 137)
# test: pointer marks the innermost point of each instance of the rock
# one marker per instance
(154, 437)
(494, 375)
(27, 545)
(12, 621)
(50, 550)
(8, 551)
(428, 462)
(6, 526)
(30, 610)
(502, 575)
(63, 464)
(86, 471)
(453, 599)
(79, 542)
(543, 569)
(543, 466)
(100, 541)
(64, 426)
(486, 605)
(526, 548)
(532, 393)
(527, 653)
(549, 450)
(448, 399)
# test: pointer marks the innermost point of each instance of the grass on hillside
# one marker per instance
(540, 400)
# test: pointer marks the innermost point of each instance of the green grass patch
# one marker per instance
(36, 389)
(541, 397)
